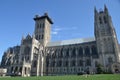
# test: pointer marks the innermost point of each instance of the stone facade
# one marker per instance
(37, 56)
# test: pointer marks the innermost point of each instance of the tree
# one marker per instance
(99, 69)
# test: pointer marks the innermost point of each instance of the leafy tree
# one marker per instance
(99, 69)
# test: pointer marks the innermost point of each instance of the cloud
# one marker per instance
(54, 32)
(57, 29)
(70, 28)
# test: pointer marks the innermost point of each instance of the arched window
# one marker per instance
(20, 70)
(87, 51)
(16, 68)
(53, 55)
(37, 26)
(73, 63)
(35, 63)
(47, 63)
(43, 25)
(42, 36)
(100, 20)
(73, 54)
(37, 37)
(65, 63)
(67, 53)
(11, 69)
(110, 60)
(53, 63)
(61, 52)
(96, 63)
(88, 62)
(105, 20)
(80, 63)
(25, 70)
(27, 50)
(60, 63)
(40, 25)
(94, 51)
(80, 51)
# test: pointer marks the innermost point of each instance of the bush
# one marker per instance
(99, 69)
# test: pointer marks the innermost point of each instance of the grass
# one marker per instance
(69, 77)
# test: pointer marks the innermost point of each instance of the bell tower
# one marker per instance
(42, 28)
(106, 38)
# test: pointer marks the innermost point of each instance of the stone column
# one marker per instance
(38, 65)
(91, 68)
(84, 67)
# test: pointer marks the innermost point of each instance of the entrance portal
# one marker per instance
(115, 68)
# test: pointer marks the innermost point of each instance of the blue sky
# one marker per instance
(69, 16)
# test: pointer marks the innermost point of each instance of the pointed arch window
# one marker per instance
(37, 26)
(40, 25)
(73, 63)
(61, 52)
(80, 63)
(87, 51)
(65, 63)
(27, 50)
(67, 53)
(110, 60)
(88, 62)
(73, 54)
(37, 37)
(43, 25)
(100, 20)
(42, 36)
(80, 52)
(35, 64)
(105, 20)
(94, 51)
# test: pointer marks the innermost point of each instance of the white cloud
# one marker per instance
(70, 28)
(54, 32)
(56, 29)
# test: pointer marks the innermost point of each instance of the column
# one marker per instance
(91, 68)
(84, 67)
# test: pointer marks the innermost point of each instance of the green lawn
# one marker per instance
(72, 77)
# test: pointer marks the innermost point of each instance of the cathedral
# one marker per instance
(38, 56)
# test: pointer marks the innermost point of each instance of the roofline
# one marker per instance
(42, 17)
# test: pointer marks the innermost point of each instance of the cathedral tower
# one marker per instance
(106, 37)
(42, 28)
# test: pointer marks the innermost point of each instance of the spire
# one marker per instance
(105, 9)
(33, 36)
(23, 37)
(45, 14)
(95, 10)
(95, 13)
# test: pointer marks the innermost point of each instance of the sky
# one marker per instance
(72, 19)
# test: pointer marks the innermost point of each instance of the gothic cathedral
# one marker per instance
(38, 56)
